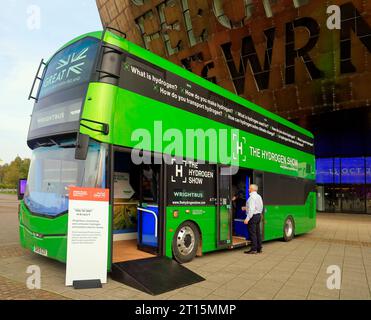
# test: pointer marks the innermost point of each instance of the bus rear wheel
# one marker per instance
(185, 242)
(288, 229)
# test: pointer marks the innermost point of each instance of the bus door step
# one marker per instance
(154, 275)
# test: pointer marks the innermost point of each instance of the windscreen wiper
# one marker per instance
(52, 142)
(66, 146)
(45, 144)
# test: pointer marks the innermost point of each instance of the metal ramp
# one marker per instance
(154, 275)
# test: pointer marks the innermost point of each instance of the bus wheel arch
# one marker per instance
(199, 248)
(186, 241)
(288, 228)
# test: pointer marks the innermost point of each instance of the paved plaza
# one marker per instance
(293, 270)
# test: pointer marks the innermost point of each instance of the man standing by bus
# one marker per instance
(254, 209)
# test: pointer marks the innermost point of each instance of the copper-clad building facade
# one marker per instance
(283, 55)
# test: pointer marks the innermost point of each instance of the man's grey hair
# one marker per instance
(254, 187)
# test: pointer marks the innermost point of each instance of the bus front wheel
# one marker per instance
(288, 229)
(185, 242)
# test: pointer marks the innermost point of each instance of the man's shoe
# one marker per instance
(260, 251)
(250, 252)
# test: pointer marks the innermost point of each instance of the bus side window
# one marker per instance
(150, 183)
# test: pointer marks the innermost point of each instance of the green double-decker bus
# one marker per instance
(176, 151)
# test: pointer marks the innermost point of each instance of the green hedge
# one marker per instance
(6, 186)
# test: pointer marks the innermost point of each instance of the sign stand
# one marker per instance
(87, 238)
(87, 284)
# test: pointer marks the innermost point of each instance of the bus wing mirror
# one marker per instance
(82, 145)
(21, 188)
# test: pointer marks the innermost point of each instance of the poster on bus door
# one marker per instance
(87, 241)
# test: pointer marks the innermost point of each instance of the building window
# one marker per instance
(368, 170)
(223, 18)
(344, 184)
(140, 22)
(352, 171)
(165, 27)
(299, 3)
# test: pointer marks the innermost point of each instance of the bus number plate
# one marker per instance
(41, 251)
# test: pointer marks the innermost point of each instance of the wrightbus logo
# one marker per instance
(73, 63)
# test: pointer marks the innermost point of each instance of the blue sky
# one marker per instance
(24, 40)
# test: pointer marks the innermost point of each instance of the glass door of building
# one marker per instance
(332, 202)
(368, 199)
(345, 198)
(353, 199)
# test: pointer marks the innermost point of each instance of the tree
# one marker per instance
(11, 173)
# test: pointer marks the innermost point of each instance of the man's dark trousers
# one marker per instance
(254, 232)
